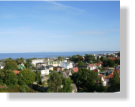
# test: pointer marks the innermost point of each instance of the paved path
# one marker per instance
(45, 79)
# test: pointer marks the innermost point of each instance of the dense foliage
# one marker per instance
(26, 77)
(54, 82)
(10, 65)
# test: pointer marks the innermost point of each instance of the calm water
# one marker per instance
(48, 54)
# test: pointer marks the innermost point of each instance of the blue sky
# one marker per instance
(41, 26)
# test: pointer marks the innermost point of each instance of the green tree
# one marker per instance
(10, 78)
(54, 82)
(80, 63)
(60, 58)
(10, 65)
(28, 63)
(114, 83)
(102, 58)
(38, 77)
(111, 63)
(26, 77)
(100, 87)
(67, 85)
(119, 54)
(89, 58)
(98, 59)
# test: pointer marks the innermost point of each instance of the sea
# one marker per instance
(49, 54)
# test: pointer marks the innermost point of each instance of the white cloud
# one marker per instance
(64, 6)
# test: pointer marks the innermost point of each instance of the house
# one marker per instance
(111, 74)
(35, 61)
(74, 90)
(1, 65)
(21, 66)
(92, 66)
(58, 68)
(67, 65)
(66, 60)
(98, 65)
(75, 69)
(66, 74)
(44, 72)
(100, 76)
(40, 66)
(50, 67)
(54, 63)
(96, 70)
(75, 64)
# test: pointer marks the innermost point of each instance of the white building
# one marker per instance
(1, 67)
(35, 61)
(54, 63)
(45, 72)
(103, 79)
(92, 66)
(66, 65)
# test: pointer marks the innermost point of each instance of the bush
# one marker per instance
(24, 88)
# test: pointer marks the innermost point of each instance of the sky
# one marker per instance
(59, 26)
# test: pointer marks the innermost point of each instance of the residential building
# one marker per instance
(92, 66)
(35, 61)
(40, 66)
(102, 79)
(75, 69)
(21, 66)
(67, 65)
(50, 67)
(54, 63)
(1, 65)
(58, 68)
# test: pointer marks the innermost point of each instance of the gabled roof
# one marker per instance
(75, 69)
(95, 70)
(74, 86)
(16, 71)
(111, 74)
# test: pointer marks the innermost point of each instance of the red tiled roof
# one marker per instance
(101, 62)
(16, 71)
(111, 75)
(75, 69)
(95, 70)
(97, 64)
(92, 65)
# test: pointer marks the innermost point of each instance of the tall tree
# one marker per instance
(54, 82)
(89, 58)
(10, 65)
(80, 63)
(114, 83)
(67, 85)
(60, 58)
(10, 78)
(26, 77)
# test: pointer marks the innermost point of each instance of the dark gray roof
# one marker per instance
(74, 86)
(83, 67)
(58, 67)
(65, 74)
(49, 66)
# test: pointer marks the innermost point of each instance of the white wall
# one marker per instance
(66, 65)
(37, 61)
(45, 72)
(1, 67)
